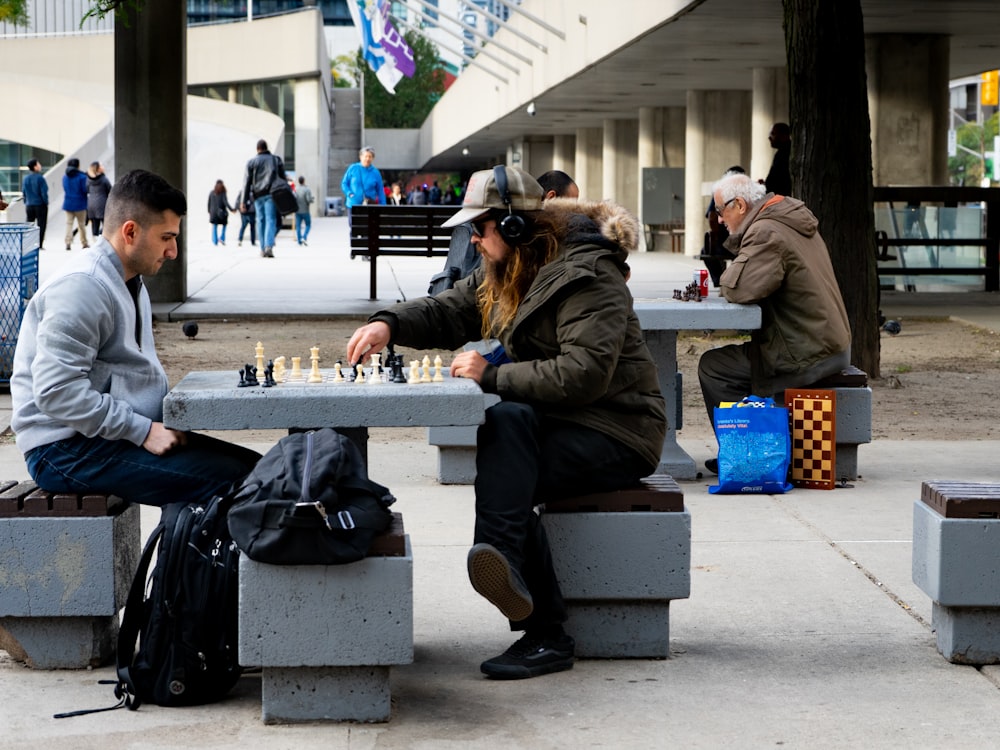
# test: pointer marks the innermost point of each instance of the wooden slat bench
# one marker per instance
(410, 231)
(620, 558)
(325, 636)
(67, 562)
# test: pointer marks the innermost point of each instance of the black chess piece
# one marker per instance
(243, 382)
(349, 375)
(251, 375)
(269, 375)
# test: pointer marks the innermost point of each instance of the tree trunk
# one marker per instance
(831, 161)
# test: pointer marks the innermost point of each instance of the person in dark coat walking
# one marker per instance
(218, 212)
(74, 184)
(98, 189)
(36, 199)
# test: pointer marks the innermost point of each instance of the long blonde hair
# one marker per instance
(504, 285)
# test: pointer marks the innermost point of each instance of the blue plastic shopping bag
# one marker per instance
(754, 447)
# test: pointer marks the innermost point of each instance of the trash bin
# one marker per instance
(18, 282)
(334, 206)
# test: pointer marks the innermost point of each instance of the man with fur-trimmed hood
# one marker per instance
(581, 409)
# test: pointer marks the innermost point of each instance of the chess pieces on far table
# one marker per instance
(296, 369)
(248, 376)
(438, 377)
(395, 364)
(259, 351)
(425, 370)
(279, 370)
(338, 372)
(414, 372)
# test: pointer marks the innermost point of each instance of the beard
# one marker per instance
(495, 271)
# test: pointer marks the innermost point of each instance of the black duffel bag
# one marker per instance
(309, 501)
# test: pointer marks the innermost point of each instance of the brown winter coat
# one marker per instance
(783, 265)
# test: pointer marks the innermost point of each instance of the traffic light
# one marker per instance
(988, 88)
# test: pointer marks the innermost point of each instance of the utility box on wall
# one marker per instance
(662, 195)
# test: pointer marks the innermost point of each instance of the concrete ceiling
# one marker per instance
(715, 45)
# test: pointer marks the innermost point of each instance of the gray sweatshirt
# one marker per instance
(79, 366)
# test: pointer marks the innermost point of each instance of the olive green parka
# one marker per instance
(575, 343)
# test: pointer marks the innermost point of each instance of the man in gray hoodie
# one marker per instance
(87, 386)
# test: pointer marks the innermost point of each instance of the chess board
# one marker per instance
(812, 416)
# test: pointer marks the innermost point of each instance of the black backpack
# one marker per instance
(187, 625)
(463, 259)
(309, 501)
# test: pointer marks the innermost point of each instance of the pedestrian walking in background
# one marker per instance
(74, 184)
(218, 212)
(36, 199)
(303, 197)
(262, 172)
(248, 218)
(98, 189)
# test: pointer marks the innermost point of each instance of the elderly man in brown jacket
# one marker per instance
(783, 265)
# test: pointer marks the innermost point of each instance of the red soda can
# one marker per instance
(701, 279)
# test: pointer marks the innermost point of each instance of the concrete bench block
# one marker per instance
(956, 561)
(617, 630)
(854, 415)
(325, 694)
(967, 635)
(621, 555)
(618, 572)
(63, 580)
(327, 615)
(457, 449)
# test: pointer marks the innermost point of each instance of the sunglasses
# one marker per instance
(479, 228)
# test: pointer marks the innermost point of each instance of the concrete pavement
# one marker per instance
(803, 629)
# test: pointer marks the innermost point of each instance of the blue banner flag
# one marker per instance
(383, 47)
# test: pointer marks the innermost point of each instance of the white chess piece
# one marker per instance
(296, 368)
(279, 370)
(361, 374)
(259, 351)
(425, 375)
(338, 374)
(438, 377)
(375, 378)
(315, 376)
(414, 372)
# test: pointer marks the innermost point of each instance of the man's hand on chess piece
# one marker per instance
(161, 440)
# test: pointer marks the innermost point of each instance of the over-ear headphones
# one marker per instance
(511, 227)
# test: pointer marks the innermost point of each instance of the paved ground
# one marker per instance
(803, 629)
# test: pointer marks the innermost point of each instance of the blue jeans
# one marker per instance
(553, 458)
(301, 219)
(218, 235)
(267, 220)
(248, 220)
(193, 474)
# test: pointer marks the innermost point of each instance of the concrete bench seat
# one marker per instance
(621, 557)
(956, 562)
(325, 636)
(66, 563)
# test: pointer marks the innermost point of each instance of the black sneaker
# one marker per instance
(493, 578)
(712, 465)
(531, 656)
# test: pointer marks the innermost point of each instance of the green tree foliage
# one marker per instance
(966, 169)
(343, 70)
(14, 11)
(414, 97)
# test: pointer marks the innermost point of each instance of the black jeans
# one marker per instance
(524, 459)
(40, 215)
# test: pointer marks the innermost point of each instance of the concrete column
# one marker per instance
(770, 105)
(151, 116)
(564, 154)
(619, 153)
(674, 133)
(718, 136)
(589, 169)
(651, 152)
(908, 107)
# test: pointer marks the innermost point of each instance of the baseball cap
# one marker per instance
(482, 194)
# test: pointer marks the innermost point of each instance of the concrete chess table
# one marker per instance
(661, 319)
